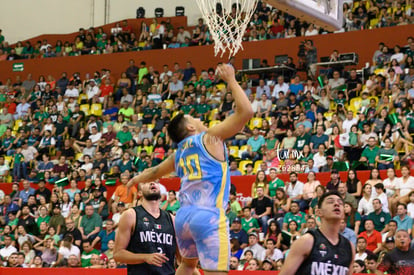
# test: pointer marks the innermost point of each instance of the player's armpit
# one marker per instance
(122, 238)
(300, 249)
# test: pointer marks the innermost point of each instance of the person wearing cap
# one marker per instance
(328, 167)
(334, 182)
(401, 259)
(254, 246)
(236, 232)
(99, 203)
(267, 265)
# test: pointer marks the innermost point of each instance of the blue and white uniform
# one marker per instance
(201, 224)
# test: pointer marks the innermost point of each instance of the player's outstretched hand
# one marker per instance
(225, 72)
(156, 259)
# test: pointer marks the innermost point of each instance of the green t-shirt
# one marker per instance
(89, 223)
(348, 220)
(42, 219)
(124, 136)
(151, 111)
(126, 112)
(141, 73)
(299, 218)
(270, 143)
(248, 224)
(174, 208)
(187, 108)
(231, 216)
(86, 257)
(274, 185)
(18, 158)
(301, 141)
(235, 206)
(379, 220)
(370, 154)
(202, 108)
(387, 154)
(307, 104)
(206, 83)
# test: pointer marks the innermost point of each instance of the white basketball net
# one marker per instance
(228, 28)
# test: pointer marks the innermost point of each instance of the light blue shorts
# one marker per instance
(204, 233)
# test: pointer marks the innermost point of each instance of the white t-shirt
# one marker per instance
(296, 190)
(406, 187)
(74, 250)
(389, 185)
(384, 200)
(319, 160)
(72, 92)
(347, 124)
(277, 88)
(410, 210)
(365, 206)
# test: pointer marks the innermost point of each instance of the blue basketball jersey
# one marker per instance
(205, 181)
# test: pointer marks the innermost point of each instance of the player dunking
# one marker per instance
(201, 163)
(322, 251)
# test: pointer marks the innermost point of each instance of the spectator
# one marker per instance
(73, 232)
(347, 232)
(25, 193)
(87, 253)
(379, 217)
(27, 221)
(262, 207)
(404, 222)
(294, 189)
(372, 236)
(399, 260)
(249, 224)
(90, 225)
(8, 248)
(236, 232)
(294, 215)
(105, 236)
(253, 246)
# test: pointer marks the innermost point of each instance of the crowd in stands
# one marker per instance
(266, 23)
(97, 130)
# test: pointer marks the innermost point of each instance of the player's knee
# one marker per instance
(189, 263)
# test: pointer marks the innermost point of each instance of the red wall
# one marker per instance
(243, 183)
(363, 42)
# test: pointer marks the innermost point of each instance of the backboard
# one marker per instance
(327, 14)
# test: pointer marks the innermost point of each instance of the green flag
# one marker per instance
(110, 182)
(62, 182)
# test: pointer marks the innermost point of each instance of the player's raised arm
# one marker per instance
(164, 168)
(243, 111)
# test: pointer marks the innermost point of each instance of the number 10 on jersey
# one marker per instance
(191, 167)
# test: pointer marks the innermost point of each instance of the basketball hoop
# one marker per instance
(227, 21)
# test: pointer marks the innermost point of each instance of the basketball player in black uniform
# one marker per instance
(145, 240)
(322, 251)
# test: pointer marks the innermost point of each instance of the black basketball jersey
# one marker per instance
(153, 235)
(326, 258)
